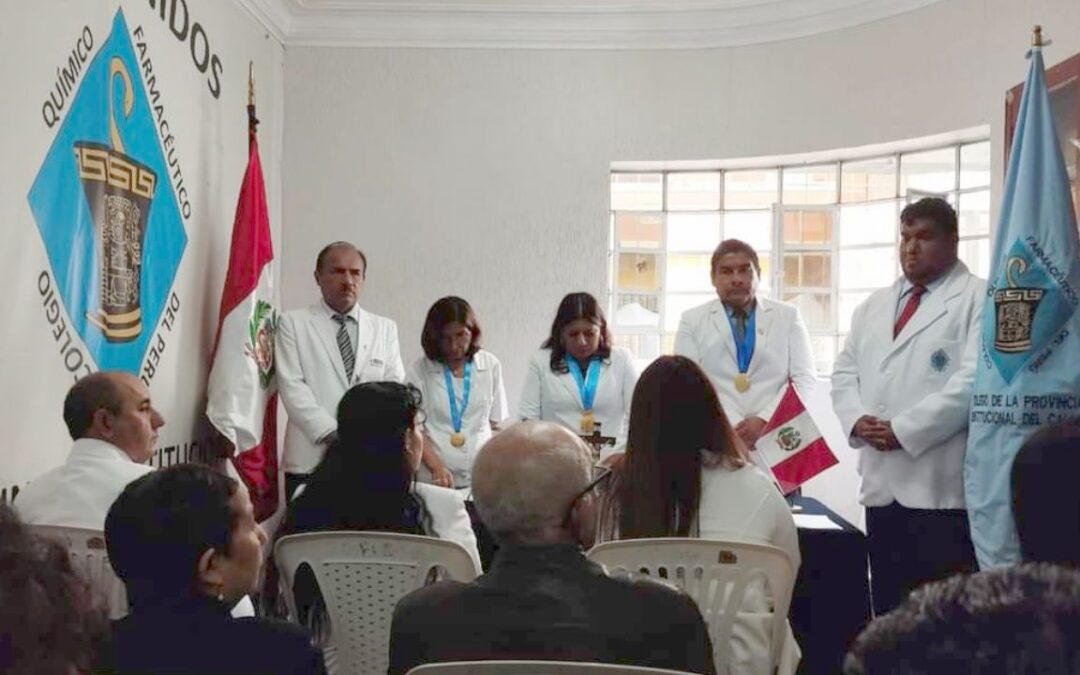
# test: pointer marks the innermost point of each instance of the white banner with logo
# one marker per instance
(125, 137)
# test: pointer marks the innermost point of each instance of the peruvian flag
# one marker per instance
(242, 391)
(790, 446)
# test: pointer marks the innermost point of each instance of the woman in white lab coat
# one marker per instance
(454, 362)
(579, 379)
(684, 475)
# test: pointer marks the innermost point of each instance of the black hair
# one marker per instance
(87, 396)
(445, 311)
(729, 246)
(365, 480)
(162, 523)
(936, 210)
(1045, 502)
(576, 306)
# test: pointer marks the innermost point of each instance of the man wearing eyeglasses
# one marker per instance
(543, 599)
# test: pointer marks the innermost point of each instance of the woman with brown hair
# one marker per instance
(684, 474)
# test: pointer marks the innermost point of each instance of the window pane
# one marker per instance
(867, 180)
(667, 346)
(808, 227)
(640, 230)
(753, 227)
(974, 213)
(694, 191)
(643, 348)
(754, 189)
(638, 272)
(816, 309)
(693, 231)
(847, 304)
(637, 191)
(686, 272)
(931, 171)
(976, 255)
(868, 224)
(803, 270)
(868, 267)
(633, 310)
(679, 303)
(810, 185)
(824, 350)
(975, 165)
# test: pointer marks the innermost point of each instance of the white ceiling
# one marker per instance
(562, 24)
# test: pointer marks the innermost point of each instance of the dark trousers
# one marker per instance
(293, 481)
(909, 547)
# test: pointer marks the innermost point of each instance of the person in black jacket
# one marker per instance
(543, 599)
(186, 545)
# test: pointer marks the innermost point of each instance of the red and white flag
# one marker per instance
(242, 391)
(791, 446)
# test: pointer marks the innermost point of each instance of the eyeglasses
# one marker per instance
(602, 472)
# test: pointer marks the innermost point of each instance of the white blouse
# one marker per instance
(554, 397)
(487, 404)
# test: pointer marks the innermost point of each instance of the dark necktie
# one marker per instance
(740, 323)
(909, 309)
(344, 343)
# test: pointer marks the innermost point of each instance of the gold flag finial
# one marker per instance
(251, 83)
(1036, 36)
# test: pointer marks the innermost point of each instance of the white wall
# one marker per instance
(484, 173)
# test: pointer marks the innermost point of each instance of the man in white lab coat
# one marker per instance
(901, 389)
(748, 346)
(322, 351)
(114, 426)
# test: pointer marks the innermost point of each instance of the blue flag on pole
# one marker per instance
(1028, 373)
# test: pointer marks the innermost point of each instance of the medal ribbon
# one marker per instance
(744, 348)
(457, 414)
(586, 384)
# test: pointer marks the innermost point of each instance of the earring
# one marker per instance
(220, 594)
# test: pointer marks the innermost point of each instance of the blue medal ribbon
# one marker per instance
(586, 384)
(744, 348)
(457, 414)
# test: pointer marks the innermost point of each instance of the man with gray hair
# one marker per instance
(543, 599)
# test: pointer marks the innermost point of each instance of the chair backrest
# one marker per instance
(361, 576)
(717, 575)
(535, 668)
(86, 548)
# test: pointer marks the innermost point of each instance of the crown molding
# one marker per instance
(562, 24)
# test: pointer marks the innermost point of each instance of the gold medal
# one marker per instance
(457, 439)
(588, 423)
(742, 382)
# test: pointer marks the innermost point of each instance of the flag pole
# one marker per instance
(253, 122)
(1036, 37)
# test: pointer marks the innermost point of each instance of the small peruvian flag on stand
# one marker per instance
(242, 391)
(790, 446)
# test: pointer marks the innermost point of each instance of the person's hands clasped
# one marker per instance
(877, 432)
(749, 430)
(442, 477)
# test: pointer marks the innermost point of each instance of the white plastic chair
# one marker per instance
(717, 575)
(361, 576)
(86, 548)
(535, 668)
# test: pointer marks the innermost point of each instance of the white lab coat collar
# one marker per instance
(95, 449)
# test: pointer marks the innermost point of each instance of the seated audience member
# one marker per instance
(367, 481)
(51, 622)
(1021, 620)
(682, 475)
(186, 545)
(114, 426)
(543, 599)
(1045, 501)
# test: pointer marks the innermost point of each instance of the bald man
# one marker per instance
(543, 599)
(114, 426)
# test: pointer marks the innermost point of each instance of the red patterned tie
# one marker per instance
(909, 309)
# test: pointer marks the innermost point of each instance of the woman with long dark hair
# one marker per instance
(684, 474)
(463, 391)
(579, 379)
(367, 482)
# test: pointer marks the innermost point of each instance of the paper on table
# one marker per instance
(814, 521)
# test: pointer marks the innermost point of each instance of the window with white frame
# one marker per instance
(826, 235)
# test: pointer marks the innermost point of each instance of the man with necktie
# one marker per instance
(325, 349)
(749, 346)
(901, 389)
